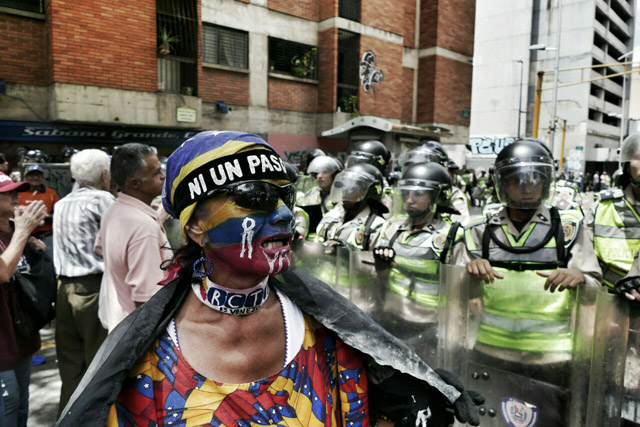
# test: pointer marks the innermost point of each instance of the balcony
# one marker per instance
(624, 5)
(618, 22)
(600, 29)
(598, 54)
(602, 5)
(617, 43)
(596, 103)
(602, 129)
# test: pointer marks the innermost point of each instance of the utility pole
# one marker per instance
(536, 105)
(555, 80)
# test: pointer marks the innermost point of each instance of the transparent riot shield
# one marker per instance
(363, 282)
(305, 183)
(407, 305)
(631, 403)
(537, 356)
(341, 261)
(316, 260)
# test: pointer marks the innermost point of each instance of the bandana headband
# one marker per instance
(215, 174)
(239, 302)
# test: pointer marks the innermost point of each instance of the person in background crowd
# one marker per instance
(224, 343)
(16, 227)
(4, 164)
(605, 181)
(595, 181)
(34, 174)
(76, 222)
(132, 242)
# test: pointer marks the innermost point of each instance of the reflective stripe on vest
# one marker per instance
(417, 259)
(616, 238)
(519, 314)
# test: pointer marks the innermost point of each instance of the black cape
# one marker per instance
(383, 355)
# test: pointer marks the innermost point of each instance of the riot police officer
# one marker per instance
(372, 152)
(529, 251)
(357, 192)
(616, 241)
(524, 254)
(314, 202)
(408, 251)
(301, 229)
(432, 151)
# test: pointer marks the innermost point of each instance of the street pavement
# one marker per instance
(44, 390)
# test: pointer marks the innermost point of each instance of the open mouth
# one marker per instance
(276, 242)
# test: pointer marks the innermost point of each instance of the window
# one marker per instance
(349, 9)
(34, 6)
(293, 58)
(225, 46)
(348, 70)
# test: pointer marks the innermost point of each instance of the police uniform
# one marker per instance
(460, 202)
(315, 207)
(616, 233)
(533, 328)
(356, 233)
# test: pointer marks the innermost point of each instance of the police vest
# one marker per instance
(417, 258)
(302, 221)
(355, 233)
(616, 235)
(518, 314)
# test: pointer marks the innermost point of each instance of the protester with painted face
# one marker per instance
(408, 251)
(231, 340)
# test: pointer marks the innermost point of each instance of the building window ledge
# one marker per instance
(283, 76)
(225, 68)
(24, 13)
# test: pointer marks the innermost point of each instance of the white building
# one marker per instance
(593, 32)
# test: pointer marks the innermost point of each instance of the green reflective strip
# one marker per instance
(417, 265)
(631, 208)
(526, 341)
(616, 253)
(521, 241)
(425, 291)
(610, 277)
(526, 325)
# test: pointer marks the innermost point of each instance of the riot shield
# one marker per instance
(341, 265)
(407, 305)
(316, 260)
(363, 282)
(533, 355)
(631, 403)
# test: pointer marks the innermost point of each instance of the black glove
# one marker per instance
(465, 408)
(383, 257)
(627, 284)
(409, 402)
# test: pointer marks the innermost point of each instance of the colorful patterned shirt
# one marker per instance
(324, 385)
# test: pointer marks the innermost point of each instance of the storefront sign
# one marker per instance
(71, 133)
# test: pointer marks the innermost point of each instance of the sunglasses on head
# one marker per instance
(261, 195)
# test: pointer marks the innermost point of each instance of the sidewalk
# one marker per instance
(44, 390)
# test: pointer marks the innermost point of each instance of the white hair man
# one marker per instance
(76, 220)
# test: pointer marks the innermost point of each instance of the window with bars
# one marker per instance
(34, 6)
(225, 46)
(349, 9)
(293, 58)
(177, 34)
(348, 69)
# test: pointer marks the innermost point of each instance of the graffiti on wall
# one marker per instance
(369, 74)
(491, 145)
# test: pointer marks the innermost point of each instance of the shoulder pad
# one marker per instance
(614, 193)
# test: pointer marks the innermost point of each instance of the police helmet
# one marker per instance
(292, 172)
(326, 164)
(422, 180)
(524, 174)
(68, 151)
(630, 151)
(357, 183)
(372, 152)
(34, 156)
(437, 151)
(311, 155)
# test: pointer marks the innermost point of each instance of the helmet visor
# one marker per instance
(526, 185)
(357, 157)
(350, 187)
(323, 164)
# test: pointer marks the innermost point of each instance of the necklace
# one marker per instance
(239, 302)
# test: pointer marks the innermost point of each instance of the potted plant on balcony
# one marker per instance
(166, 41)
(304, 66)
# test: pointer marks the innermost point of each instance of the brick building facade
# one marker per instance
(285, 69)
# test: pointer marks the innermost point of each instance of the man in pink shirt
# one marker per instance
(132, 241)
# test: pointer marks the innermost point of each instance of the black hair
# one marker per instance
(128, 160)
